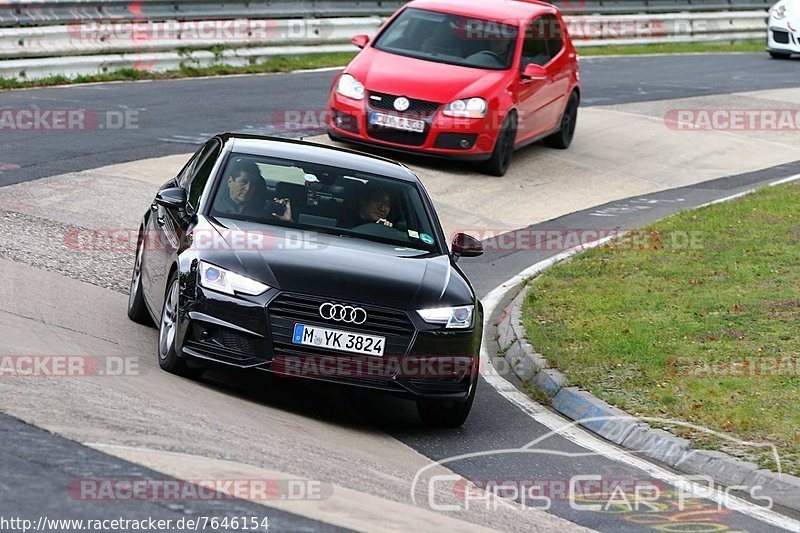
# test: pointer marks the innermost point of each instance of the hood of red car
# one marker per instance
(424, 80)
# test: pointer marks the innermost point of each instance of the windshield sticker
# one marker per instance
(427, 239)
(413, 234)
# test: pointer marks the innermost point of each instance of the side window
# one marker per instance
(553, 35)
(543, 41)
(534, 49)
(185, 175)
(202, 171)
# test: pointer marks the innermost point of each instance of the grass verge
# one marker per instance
(674, 48)
(308, 61)
(276, 64)
(694, 318)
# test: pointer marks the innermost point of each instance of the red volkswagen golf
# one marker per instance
(467, 80)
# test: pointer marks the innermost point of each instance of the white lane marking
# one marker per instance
(626, 207)
(321, 69)
(663, 54)
(581, 437)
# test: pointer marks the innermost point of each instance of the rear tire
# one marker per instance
(779, 55)
(446, 413)
(137, 309)
(503, 151)
(566, 131)
(167, 334)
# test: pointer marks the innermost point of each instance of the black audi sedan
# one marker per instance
(309, 261)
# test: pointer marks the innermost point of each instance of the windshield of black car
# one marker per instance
(447, 38)
(325, 199)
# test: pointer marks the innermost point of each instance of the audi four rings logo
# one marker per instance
(342, 313)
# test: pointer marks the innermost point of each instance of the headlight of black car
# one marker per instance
(218, 279)
(459, 317)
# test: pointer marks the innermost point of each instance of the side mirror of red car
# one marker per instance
(466, 246)
(361, 40)
(534, 72)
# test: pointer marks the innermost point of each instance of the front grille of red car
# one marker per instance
(409, 138)
(417, 108)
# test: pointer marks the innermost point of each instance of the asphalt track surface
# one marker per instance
(175, 112)
(169, 121)
(35, 463)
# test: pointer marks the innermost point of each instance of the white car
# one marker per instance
(783, 32)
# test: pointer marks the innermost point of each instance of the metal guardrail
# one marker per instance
(92, 47)
(39, 13)
(92, 38)
(42, 12)
(108, 38)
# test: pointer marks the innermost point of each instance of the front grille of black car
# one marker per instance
(295, 361)
(781, 37)
(288, 309)
(380, 321)
(416, 109)
(221, 343)
(439, 385)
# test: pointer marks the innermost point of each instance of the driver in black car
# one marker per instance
(373, 206)
(246, 191)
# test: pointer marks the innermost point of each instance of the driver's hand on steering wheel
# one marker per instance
(384, 222)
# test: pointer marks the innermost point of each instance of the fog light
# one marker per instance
(464, 144)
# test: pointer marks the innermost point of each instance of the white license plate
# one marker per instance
(397, 123)
(341, 341)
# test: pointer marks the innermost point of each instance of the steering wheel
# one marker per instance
(488, 53)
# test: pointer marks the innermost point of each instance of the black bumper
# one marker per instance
(420, 360)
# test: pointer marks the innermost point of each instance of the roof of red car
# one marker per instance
(500, 10)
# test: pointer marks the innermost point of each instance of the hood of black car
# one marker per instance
(341, 268)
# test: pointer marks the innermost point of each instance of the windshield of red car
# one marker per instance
(325, 199)
(452, 39)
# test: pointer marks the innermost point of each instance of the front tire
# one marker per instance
(566, 131)
(446, 413)
(779, 55)
(137, 309)
(503, 152)
(168, 333)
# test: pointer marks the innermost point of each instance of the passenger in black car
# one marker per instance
(246, 193)
(374, 205)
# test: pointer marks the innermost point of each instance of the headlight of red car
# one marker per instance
(467, 108)
(350, 87)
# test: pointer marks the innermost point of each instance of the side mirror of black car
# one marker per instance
(172, 198)
(466, 246)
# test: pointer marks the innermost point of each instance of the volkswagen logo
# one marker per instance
(402, 103)
(342, 313)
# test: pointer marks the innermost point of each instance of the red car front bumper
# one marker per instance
(468, 139)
